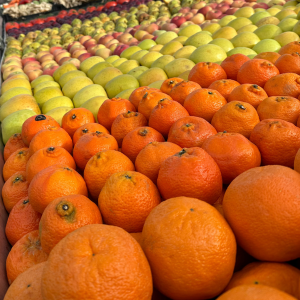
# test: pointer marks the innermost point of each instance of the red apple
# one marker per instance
(46, 57)
(205, 10)
(84, 56)
(50, 70)
(152, 27)
(58, 51)
(75, 62)
(52, 49)
(116, 34)
(48, 62)
(111, 42)
(27, 59)
(63, 60)
(84, 39)
(231, 11)
(124, 37)
(104, 39)
(93, 49)
(90, 42)
(33, 74)
(77, 53)
(104, 53)
(177, 21)
(261, 5)
(61, 55)
(72, 44)
(41, 53)
(75, 48)
(120, 48)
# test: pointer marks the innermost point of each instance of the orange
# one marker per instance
(236, 116)
(149, 101)
(168, 84)
(270, 56)
(165, 114)
(232, 64)
(111, 108)
(224, 87)
(297, 161)
(288, 63)
(87, 128)
(137, 139)
(284, 107)
(190, 132)
(28, 285)
(251, 292)
(126, 200)
(26, 253)
(137, 236)
(277, 140)
(15, 163)
(150, 158)
(51, 137)
(204, 103)
(47, 157)
(126, 122)
(281, 276)
(101, 166)
(192, 172)
(253, 206)
(53, 182)
(205, 73)
(104, 262)
(182, 89)
(256, 71)
(13, 144)
(34, 124)
(91, 143)
(136, 96)
(21, 220)
(250, 93)
(287, 84)
(190, 248)
(75, 118)
(290, 48)
(14, 189)
(233, 153)
(64, 215)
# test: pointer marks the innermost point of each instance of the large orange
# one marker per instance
(190, 248)
(182, 89)
(233, 153)
(104, 262)
(150, 158)
(277, 140)
(27, 286)
(256, 71)
(13, 144)
(64, 215)
(256, 205)
(165, 114)
(14, 189)
(21, 220)
(137, 95)
(47, 157)
(192, 172)
(53, 182)
(288, 63)
(251, 292)
(236, 116)
(126, 200)
(15, 163)
(277, 275)
(137, 139)
(91, 143)
(26, 253)
(224, 87)
(88, 128)
(205, 73)
(168, 84)
(101, 166)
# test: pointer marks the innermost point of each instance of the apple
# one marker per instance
(90, 42)
(61, 55)
(119, 49)
(63, 60)
(46, 57)
(93, 49)
(213, 5)
(198, 18)
(75, 62)
(58, 51)
(78, 52)
(27, 59)
(111, 42)
(52, 49)
(124, 38)
(72, 44)
(32, 63)
(33, 74)
(75, 48)
(28, 68)
(84, 56)
(152, 27)
(199, 5)
(84, 38)
(41, 53)
(105, 39)
(231, 11)
(49, 63)
(213, 14)
(116, 34)
(204, 10)
(50, 70)
(13, 57)
(104, 53)
(261, 5)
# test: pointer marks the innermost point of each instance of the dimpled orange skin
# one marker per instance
(192, 172)
(297, 162)
(288, 63)
(64, 215)
(255, 292)
(138, 94)
(270, 56)
(27, 286)
(53, 182)
(290, 48)
(224, 87)
(101, 166)
(190, 248)
(13, 144)
(182, 89)
(104, 262)
(87, 128)
(26, 253)
(232, 64)
(21, 220)
(282, 107)
(267, 236)
(168, 84)
(277, 140)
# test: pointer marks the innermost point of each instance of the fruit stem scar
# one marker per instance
(73, 116)
(40, 118)
(127, 176)
(65, 207)
(51, 148)
(25, 201)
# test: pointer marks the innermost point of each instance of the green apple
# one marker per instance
(189, 30)
(149, 58)
(199, 39)
(58, 113)
(259, 15)
(74, 85)
(152, 75)
(296, 28)
(90, 62)
(105, 75)
(87, 93)
(225, 20)
(239, 23)
(156, 84)
(178, 66)
(268, 31)
(67, 67)
(267, 45)
(129, 51)
(94, 104)
(47, 93)
(45, 84)
(162, 61)
(156, 48)
(184, 52)
(242, 50)
(226, 32)
(246, 12)
(247, 28)
(57, 102)
(184, 75)
(136, 72)
(146, 44)
(41, 79)
(121, 83)
(97, 68)
(125, 94)
(225, 44)
(181, 39)
(286, 38)
(208, 53)
(14, 122)
(245, 39)
(14, 92)
(287, 24)
(70, 75)
(166, 37)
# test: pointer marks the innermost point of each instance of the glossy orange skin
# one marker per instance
(168, 84)
(87, 128)
(181, 90)
(288, 63)
(233, 63)
(265, 236)
(290, 48)
(175, 235)
(190, 132)
(53, 182)
(111, 108)
(122, 268)
(101, 166)
(233, 153)
(192, 172)
(205, 73)
(137, 95)
(26, 253)
(270, 56)
(224, 87)
(13, 144)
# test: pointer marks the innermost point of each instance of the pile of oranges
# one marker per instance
(197, 184)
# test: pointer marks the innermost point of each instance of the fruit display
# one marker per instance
(152, 151)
